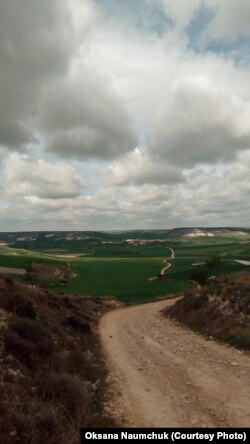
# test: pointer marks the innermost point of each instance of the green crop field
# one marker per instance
(126, 279)
(110, 265)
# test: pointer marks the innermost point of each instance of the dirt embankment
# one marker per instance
(220, 309)
(164, 375)
(42, 270)
(11, 270)
(52, 375)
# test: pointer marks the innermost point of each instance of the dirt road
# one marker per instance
(168, 264)
(163, 375)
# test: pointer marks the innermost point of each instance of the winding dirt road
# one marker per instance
(163, 375)
(168, 264)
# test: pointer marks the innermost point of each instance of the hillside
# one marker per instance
(84, 241)
(220, 309)
(52, 376)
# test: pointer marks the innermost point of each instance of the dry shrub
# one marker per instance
(28, 341)
(78, 324)
(16, 299)
(20, 349)
(19, 305)
(218, 310)
(33, 332)
(67, 390)
(52, 374)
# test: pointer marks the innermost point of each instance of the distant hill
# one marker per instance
(59, 238)
(209, 232)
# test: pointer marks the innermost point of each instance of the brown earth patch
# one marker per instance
(9, 270)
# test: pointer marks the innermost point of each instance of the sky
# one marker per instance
(124, 114)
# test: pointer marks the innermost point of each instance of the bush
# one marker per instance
(28, 341)
(49, 423)
(214, 262)
(200, 276)
(34, 333)
(65, 389)
(19, 348)
(17, 302)
(26, 309)
(78, 324)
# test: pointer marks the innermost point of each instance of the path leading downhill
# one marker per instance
(163, 375)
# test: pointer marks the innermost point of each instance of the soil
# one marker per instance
(9, 270)
(164, 375)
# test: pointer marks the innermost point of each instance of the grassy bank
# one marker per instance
(52, 375)
(220, 309)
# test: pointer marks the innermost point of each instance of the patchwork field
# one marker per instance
(126, 265)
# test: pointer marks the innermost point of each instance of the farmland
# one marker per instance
(122, 264)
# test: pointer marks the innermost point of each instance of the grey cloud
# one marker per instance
(37, 42)
(84, 117)
(202, 123)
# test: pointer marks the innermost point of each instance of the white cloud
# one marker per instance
(24, 177)
(139, 168)
(229, 20)
(211, 196)
(188, 108)
(181, 11)
(202, 122)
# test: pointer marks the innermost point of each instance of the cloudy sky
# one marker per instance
(120, 114)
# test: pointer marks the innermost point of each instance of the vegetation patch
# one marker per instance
(52, 375)
(220, 309)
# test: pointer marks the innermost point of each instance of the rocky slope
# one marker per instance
(52, 376)
(220, 309)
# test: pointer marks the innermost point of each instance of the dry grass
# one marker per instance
(52, 376)
(220, 309)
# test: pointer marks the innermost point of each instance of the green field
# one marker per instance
(112, 266)
(126, 279)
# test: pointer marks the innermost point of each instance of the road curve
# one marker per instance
(168, 264)
(163, 375)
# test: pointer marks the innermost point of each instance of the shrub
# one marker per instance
(19, 348)
(78, 324)
(200, 276)
(214, 262)
(67, 390)
(49, 423)
(34, 333)
(28, 341)
(26, 309)
(18, 303)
